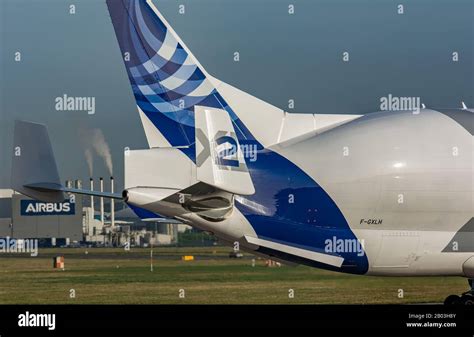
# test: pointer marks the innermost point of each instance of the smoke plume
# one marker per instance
(102, 148)
(90, 161)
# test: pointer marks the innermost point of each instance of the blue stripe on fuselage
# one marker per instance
(295, 210)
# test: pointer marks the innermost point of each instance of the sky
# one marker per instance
(282, 57)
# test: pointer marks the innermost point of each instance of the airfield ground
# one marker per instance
(116, 276)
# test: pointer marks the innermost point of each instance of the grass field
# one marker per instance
(115, 276)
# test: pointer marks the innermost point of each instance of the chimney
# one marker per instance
(112, 203)
(78, 184)
(92, 197)
(101, 181)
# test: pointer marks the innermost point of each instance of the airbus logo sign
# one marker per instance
(35, 208)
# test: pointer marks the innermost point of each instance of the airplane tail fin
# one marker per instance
(33, 163)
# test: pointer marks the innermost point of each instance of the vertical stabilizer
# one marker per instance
(33, 163)
(219, 157)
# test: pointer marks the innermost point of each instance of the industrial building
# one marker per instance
(21, 218)
(84, 220)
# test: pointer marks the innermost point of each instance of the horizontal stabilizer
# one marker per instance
(50, 187)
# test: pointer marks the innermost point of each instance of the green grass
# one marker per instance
(114, 276)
